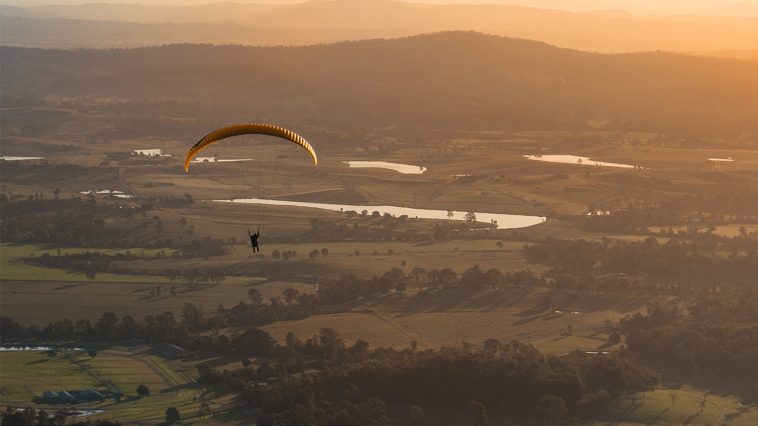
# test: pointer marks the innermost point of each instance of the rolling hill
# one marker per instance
(447, 80)
(339, 20)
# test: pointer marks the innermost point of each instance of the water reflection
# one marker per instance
(503, 221)
(573, 159)
(407, 169)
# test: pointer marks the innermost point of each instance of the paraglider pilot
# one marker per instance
(254, 239)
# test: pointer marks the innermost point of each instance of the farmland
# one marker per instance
(26, 374)
(423, 314)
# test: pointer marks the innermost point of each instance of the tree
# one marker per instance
(253, 342)
(491, 346)
(478, 412)
(360, 350)
(416, 415)
(474, 278)
(330, 343)
(172, 415)
(265, 371)
(255, 296)
(448, 277)
(290, 295)
(246, 362)
(203, 410)
(192, 316)
(553, 408)
(92, 353)
(324, 252)
(417, 272)
(143, 390)
(90, 273)
(470, 218)
(292, 341)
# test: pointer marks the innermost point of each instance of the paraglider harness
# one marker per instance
(254, 239)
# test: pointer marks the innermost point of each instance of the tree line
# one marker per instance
(712, 339)
(324, 381)
(671, 261)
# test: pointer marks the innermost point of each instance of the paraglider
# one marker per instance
(254, 239)
(248, 129)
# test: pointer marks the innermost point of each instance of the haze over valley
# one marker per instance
(379, 212)
(602, 29)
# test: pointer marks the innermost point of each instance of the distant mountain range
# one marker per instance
(453, 80)
(323, 21)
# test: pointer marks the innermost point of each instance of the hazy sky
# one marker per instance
(700, 7)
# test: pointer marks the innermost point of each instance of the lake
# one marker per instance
(152, 152)
(6, 158)
(573, 159)
(107, 192)
(407, 169)
(218, 160)
(503, 221)
(36, 348)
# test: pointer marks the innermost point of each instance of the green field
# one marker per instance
(681, 407)
(13, 269)
(51, 300)
(383, 326)
(24, 375)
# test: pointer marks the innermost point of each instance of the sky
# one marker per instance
(667, 7)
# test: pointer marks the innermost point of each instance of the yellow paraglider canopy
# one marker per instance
(248, 129)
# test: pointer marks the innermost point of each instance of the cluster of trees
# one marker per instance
(349, 288)
(67, 221)
(712, 339)
(91, 263)
(168, 201)
(703, 208)
(154, 328)
(286, 254)
(294, 305)
(183, 331)
(675, 260)
(257, 312)
(323, 380)
(41, 171)
(363, 226)
(373, 226)
(162, 327)
(88, 222)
